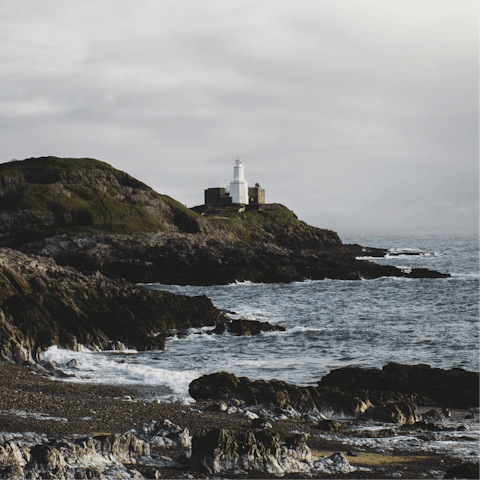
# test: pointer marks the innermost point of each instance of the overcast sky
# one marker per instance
(354, 114)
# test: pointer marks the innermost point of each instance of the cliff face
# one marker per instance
(43, 304)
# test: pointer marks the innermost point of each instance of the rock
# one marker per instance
(328, 425)
(247, 327)
(455, 387)
(398, 412)
(223, 450)
(276, 393)
(72, 363)
(88, 457)
(261, 423)
(436, 415)
(464, 470)
(164, 433)
(335, 401)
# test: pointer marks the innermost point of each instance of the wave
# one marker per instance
(120, 369)
(466, 275)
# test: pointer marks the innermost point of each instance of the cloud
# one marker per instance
(342, 110)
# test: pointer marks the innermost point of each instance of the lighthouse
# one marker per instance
(237, 192)
(239, 186)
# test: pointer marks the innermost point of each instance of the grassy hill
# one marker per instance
(50, 195)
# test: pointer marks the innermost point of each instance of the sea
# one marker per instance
(329, 323)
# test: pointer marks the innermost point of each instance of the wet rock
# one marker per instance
(335, 401)
(247, 327)
(43, 304)
(276, 393)
(436, 415)
(399, 412)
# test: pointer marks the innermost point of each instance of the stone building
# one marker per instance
(238, 192)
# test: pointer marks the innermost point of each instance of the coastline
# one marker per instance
(56, 409)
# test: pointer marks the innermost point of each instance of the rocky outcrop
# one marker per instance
(88, 215)
(185, 259)
(112, 456)
(246, 327)
(348, 392)
(44, 304)
(276, 393)
(260, 450)
(454, 387)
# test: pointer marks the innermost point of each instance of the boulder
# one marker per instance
(398, 412)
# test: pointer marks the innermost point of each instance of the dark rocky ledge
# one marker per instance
(44, 304)
(388, 395)
(246, 327)
(455, 387)
(197, 259)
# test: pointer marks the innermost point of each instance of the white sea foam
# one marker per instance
(300, 328)
(245, 283)
(120, 368)
(406, 249)
(466, 275)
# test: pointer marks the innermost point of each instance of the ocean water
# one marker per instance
(329, 323)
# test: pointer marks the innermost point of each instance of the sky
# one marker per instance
(354, 114)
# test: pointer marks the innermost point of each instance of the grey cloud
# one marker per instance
(338, 114)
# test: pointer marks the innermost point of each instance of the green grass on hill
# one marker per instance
(67, 165)
(88, 209)
(253, 224)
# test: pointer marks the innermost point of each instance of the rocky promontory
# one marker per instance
(88, 215)
(44, 304)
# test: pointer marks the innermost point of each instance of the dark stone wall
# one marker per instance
(256, 195)
(226, 199)
(212, 195)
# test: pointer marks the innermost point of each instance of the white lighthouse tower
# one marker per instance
(239, 186)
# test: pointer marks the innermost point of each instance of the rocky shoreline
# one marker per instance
(44, 304)
(55, 429)
(198, 259)
(81, 231)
